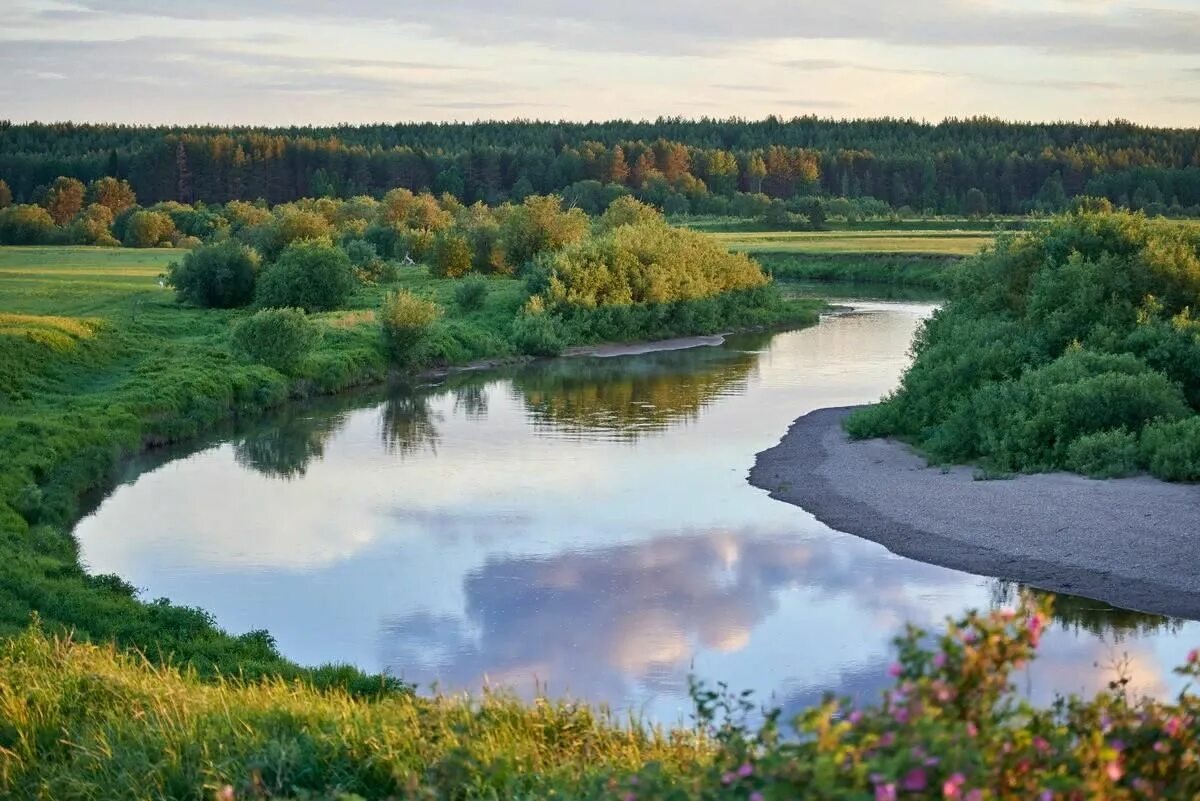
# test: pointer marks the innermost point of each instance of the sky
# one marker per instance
(319, 62)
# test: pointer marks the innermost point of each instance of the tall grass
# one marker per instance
(84, 721)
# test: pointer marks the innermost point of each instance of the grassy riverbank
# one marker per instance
(98, 361)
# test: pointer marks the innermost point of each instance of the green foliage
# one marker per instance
(539, 334)
(538, 225)
(220, 276)
(1172, 449)
(149, 229)
(1104, 454)
(25, 225)
(405, 320)
(471, 293)
(278, 338)
(310, 274)
(1056, 350)
(451, 255)
(627, 210)
(644, 263)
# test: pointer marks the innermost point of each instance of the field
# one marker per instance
(824, 243)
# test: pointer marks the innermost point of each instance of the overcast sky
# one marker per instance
(313, 61)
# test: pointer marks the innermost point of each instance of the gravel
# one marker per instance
(1132, 542)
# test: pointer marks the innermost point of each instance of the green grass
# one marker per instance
(87, 722)
(823, 243)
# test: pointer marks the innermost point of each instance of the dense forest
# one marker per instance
(971, 166)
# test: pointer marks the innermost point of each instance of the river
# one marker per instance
(579, 526)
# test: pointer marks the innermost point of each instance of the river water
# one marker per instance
(579, 526)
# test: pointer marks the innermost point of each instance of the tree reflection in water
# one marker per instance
(621, 399)
(1076, 613)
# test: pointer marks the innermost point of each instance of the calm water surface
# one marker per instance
(584, 525)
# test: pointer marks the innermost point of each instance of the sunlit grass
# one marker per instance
(933, 243)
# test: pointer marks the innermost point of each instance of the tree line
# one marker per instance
(681, 166)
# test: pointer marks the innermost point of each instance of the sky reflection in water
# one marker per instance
(585, 524)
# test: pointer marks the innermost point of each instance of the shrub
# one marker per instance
(538, 335)
(369, 269)
(279, 338)
(220, 276)
(148, 229)
(627, 210)
(1073, 329)
(1105, 454)
(471, 293)
(1172, 449)
(25, 225)
(451, 255)
(310, 275)
(405, 320)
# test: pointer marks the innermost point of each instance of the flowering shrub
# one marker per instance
(952, 727)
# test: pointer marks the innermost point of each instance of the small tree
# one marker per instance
(219, 276)
(278, 338)
(406, 319)
(975, 203)
(148, 229)
(310, 275)
(5, 194)
(64, 199)
(113, 194)
(451, 257)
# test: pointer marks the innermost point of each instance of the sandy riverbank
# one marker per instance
(1132, 542)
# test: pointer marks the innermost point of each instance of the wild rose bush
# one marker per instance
(952, 727)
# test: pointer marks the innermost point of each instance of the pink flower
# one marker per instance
(1046, 796)
(939, 660)
(226, 793)
(1041, 745)
(1173, 725)
(975, 795)
(972, 729)
(855, 717)
(1194, 655)
(895, 669)
(1114, 771)
(885, 792)
(746, 770)
(914, 781)
(901, 716)
(887, 739)
(630, 797)
(952, 787)
(727, 778)
(756, 796)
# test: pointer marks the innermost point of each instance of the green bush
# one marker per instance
(1076, 328)
(1105, 454)
(148, 229)
(405, 320)
(25, 225)
(1171, 450)
(310, 275)
(451, 255)
(279, 338)
(471, 293)
(220, 276)
(539, 335)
